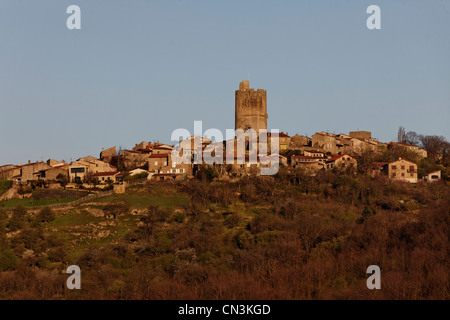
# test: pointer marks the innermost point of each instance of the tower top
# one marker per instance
(244, 85)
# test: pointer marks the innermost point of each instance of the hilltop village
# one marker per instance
(153, 160)
(142, 225)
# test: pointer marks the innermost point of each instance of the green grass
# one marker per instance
(141, 200)
(74, 218)
(33, 202)
(5, 185)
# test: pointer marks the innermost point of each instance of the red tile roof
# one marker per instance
(334, 158)
(104, 174)
(159, 155)
(313, 151)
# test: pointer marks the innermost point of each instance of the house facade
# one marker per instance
(341, 162)
(401, 170)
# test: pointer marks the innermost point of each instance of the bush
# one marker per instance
(8, 260)
(18, 218)
(45, 215)
(142, 175)
(115, 209)
(56, 254)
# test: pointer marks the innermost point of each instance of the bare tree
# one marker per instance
(412, 138)
(401, 136)
(436, 147)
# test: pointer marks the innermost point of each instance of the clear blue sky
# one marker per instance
(139, 69)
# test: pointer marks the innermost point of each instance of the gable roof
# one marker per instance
(403, 160)
(336, 157)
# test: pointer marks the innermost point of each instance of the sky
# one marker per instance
(139, 69)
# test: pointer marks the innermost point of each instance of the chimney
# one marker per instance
(29, 161)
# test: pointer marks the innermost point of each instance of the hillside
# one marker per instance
(274, 238)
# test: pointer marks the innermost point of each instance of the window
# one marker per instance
(156, 163)
(77, 170)
(394, 174)
(411, 175)
(394, 167)
(403, 174)
(403, 167)
(411, 169)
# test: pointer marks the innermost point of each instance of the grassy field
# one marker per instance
(33, 202)
(141, 200)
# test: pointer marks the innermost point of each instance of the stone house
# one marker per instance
(401, 170)
(332, 143)
(161, 163)
(409, 147)
(432, 176)
(313, 153)
(51, 174)
(25, 172)
(307, 159)
(80, 168)
(298, 141)
(284, 141)
(105, 177)
(343, 161)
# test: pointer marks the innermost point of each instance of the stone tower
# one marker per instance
(251, 108)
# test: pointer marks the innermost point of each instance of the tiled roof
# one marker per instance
(336, 157)
(159, 155)
(102, 174)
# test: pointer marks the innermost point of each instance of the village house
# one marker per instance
(313, 153)
(307, 159)
(24, 172)
(51, 174)
(161, 167)
(81, 168)
(330, 143)
(432, 176)
(299, 141)
(409, 147)
(401, 170)
(161, 149)
(108, 177)
(9, 172)
(283, 140)
(343, 161)
(143, 146)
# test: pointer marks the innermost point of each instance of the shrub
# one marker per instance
(8, 260)
(115, 209)
(18, 218)
(56, 254)
(45, 215)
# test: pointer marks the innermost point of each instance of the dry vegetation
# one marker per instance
(286, 237)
